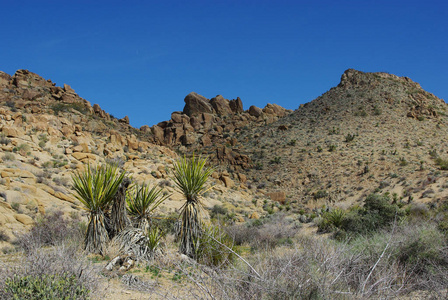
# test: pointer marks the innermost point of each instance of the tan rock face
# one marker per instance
(255, 111)
(236, 105)
(124, 120)
(24, 219)
(4, 80)
(221, 105)
(196, 104)
(279, 196)
(227, 181)
(14, 132)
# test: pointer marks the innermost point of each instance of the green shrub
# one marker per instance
(377, 213)
(320, 194)
(219, 210)
(276, 160)
(45, 287)
(422, 249)
(50, 230)
(443, 164)
(154, 235)
(331, 220)
(349, 137)
(214, 247)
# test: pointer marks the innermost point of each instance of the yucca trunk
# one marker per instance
(118, 216)
(142, 223)
(96, 235)
(190, 228)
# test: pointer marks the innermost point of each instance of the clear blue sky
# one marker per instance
(141, 58)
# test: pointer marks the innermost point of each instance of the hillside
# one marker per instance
(373, 132)
(48, 132)
(291, 194)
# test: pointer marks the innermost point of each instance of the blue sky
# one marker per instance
(141, 58)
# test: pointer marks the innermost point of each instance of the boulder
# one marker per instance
(236, 105)
(196, 104)
(145, 129)
(227, 181)
(12, 132)
(4, 80)
(176, 117)
(68, 89)
(124, 120)
(255, 111)
(16, 173)
(26, 79)
(158, 133)
(279, 196)
(98, 111)
(24, 219)
(221, 105)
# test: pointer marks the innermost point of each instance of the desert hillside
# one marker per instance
(374, 132)
(48, 132)
(344, 198)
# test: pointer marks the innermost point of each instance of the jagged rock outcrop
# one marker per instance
(205, 123)
(196, 104)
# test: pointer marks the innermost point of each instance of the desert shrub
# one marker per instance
(442, 163)
(320, 194)
(422, 248)
(242, 234)
(56, 273)
(166, 223)
(4, 140)
(331, 220)
(45, 287)
(67, 107)
(375, 266)
(349, 137)
(50, 230)
(376, 213)
(218, 210)
(214, 247)
(3, 236)
(264, 234)
(8, 156)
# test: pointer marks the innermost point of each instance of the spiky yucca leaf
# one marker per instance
(190, 176)
(154, 235)
(95, 189)
(143, 201)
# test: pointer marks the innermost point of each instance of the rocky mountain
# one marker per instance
(374, 132)
(48, 132)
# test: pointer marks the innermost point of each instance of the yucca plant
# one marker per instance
(142, 201)
(95, 188)
(190, 176)
(154, 235)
